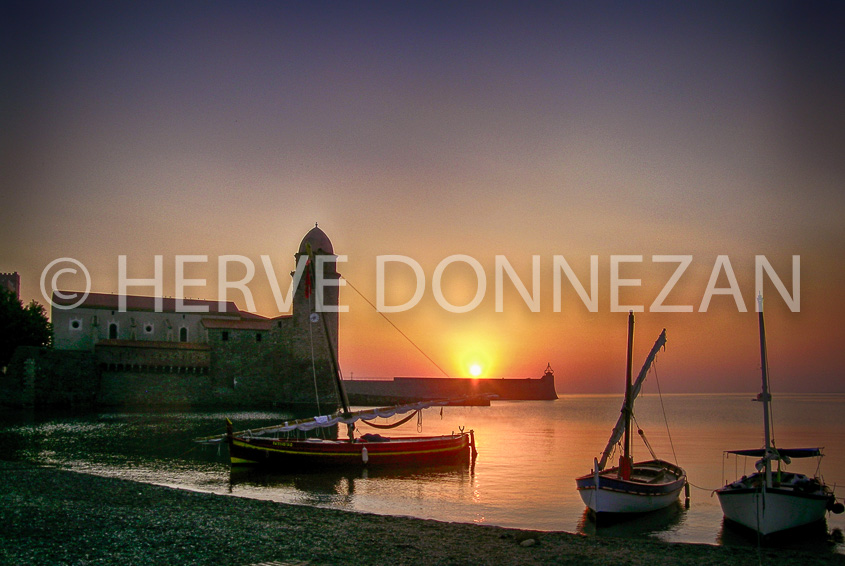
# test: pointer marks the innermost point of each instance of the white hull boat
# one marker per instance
(795, 502)
(652, 485)
(770, 501)
(631, 487)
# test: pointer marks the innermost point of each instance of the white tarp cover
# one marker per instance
(324, 421)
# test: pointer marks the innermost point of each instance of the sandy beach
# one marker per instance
(53, 516)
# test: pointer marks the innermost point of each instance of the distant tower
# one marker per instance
(304, 300)
(11, 282)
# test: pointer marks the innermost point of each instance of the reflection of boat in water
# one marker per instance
(631, 487)
(283, 446)
(770, 501)
(814, 535)
(620, 525)
(344, 487)
(328, 480)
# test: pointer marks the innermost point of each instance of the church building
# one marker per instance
(152, 352)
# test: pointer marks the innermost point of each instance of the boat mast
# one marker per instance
(619, 427)
(625, 461)
(765, 397)
(338, 381)
(344, 400)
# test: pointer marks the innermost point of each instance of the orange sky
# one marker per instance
(427, 131)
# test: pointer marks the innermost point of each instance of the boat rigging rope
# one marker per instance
(314, 369)
(654, 456)
(665, 420)
(395, 327)
(645, 440)
(611, 456)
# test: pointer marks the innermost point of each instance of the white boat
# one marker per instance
(631, 487)
(770, 501)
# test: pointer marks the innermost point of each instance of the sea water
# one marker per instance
(529, 454)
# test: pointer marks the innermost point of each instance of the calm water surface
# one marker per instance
(529, 455)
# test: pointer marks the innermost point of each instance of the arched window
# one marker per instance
(112, 331)
(183, 334)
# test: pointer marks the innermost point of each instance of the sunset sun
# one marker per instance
(475, 370)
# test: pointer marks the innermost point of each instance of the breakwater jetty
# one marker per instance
(372, 392)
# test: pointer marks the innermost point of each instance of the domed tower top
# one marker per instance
(318, 240)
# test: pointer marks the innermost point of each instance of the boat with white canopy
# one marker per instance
(769, 501)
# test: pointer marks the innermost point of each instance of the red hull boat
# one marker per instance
(368, 450)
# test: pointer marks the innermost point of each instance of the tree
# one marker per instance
(21, 325)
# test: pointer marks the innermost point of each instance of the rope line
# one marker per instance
(644, 439)
(314, 369)
(665, 419)
(396, 327)
(702, 488)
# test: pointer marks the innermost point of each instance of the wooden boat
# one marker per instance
(371, 450)
(283, 446)
(770, 501)
(287, 445)
(631, 487)
(410, 451)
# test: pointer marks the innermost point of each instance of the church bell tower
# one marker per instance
(308, 297)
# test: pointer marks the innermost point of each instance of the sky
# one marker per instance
(433, 129)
